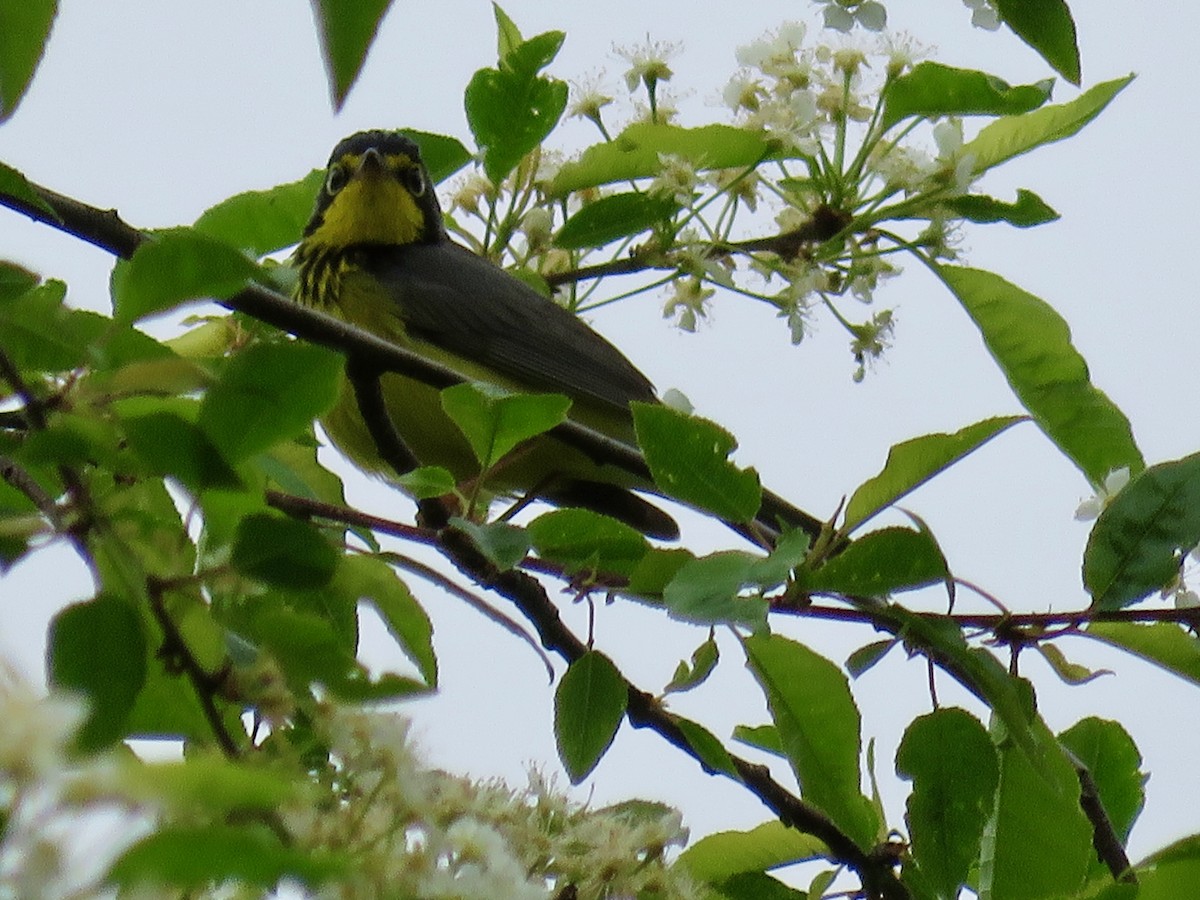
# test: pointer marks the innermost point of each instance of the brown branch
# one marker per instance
(175, 649)
(1105, 839)
(998, 622)
(22, 481)
(879, 879)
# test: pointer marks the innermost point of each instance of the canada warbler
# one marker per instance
(376, 253)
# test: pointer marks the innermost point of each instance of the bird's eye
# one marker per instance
(414, 180)
(335, 180)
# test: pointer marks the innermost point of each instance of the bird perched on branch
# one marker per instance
(376, 253)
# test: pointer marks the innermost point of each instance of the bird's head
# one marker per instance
(376, 191)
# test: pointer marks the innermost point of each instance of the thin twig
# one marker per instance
(175, 648)
(16, 476)
(509, 624)
(1105, 839)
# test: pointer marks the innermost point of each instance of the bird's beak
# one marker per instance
(371, 166)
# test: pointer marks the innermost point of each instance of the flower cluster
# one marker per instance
(417, 832)
(64, 819)
(829, 156)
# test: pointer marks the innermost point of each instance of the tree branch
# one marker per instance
(878, 878)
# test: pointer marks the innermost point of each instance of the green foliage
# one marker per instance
(249, 855)
(612, 218)
(1013, 135)
(178, 266)
(231, 577)
(1137, 543)
(636, 153)
(1032, 345)
(931, 89)
(688, 458)
(913, 462)
(819, 725)
(98, 649)
(878, 564)
(718, 857)
(1048, 27)
(511, 109)
(589, 705)
(347, 30)
(495, 421)
(954, 768)
(1038, 844)
(583, 541)
(26, 26)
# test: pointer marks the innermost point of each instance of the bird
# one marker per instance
(377, 254)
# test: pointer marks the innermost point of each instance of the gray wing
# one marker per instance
(460, 302)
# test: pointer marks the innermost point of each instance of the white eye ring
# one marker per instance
(414, 180)
(335, 180)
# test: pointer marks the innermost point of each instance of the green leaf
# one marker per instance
(761, 737)
(347, 29)
(819, 724)
(1028, 210)
(1167, 874)
(694, 673)
(688, 458)
(207, 782)
(504, 545)
(1069, 672)
(932, 90)
(196, 856)
(26, 26)
(512, 109)
(1170, 646)
(371, 579)
(584, 541)
(495, 420)
(178, 266)
(443, 155)
(1038, 842)
(98, 649)
(954, 769)
(613, 217)
(718, 857)
(261, 222)
(15, 281)
(12, 182)
(652, 575)
(712, 753)
(880, 563)
(865, 657)
(758, 886)
(170, 444)
(268, 393)
(588, 707)
(1013, 135)
(635, 153)
(1032, 345)
(1136, 544)
(424, 482)
(1110, 755)
(283, 552)
(39, 334)
(1048, 28)
(508, 36)
(707, 591)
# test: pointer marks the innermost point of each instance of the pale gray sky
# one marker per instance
(161, 109)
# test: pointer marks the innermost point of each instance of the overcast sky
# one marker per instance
(162, 109)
